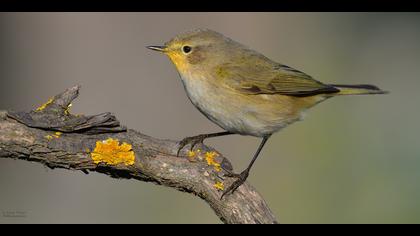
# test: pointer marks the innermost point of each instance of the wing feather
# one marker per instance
(270, 78)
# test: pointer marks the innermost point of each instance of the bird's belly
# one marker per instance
(256, 115)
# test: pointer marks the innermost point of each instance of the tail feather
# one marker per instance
(358, 89)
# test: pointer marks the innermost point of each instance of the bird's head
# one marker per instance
(198, 51)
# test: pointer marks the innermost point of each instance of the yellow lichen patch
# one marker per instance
(57, 134)
(217, 167)
(191, 154)
(67, 110)
(43, 106)
(111, 152)
(219, 186)
(211, 162)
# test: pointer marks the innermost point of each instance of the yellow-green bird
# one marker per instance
(243, 91)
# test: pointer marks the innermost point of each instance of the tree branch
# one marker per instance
(52, 136)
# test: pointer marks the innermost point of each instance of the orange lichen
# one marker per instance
(43, 106)
(210, 156)
(49, 137)
(219, 186)
(111, 152)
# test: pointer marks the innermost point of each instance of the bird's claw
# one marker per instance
(235, 185)
(194, 140)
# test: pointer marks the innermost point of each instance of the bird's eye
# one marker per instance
(186, 49)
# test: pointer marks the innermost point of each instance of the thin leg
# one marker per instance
(199, 139)
(244, 174)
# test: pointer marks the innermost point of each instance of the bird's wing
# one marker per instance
(266, 78)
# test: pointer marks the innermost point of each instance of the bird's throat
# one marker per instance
(180, 63)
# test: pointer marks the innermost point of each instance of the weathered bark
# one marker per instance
(30, 136)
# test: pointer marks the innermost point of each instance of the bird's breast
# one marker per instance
(256, 115)
(202, 94)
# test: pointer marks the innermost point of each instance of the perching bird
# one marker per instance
(243, 91)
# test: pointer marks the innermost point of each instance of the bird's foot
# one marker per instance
(235, 185)
(194, 140)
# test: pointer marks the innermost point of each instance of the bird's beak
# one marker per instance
(157, 48)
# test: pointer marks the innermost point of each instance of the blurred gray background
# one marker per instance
(353, 159)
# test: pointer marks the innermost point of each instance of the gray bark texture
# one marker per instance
(32, 136)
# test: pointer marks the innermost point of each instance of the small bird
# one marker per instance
(242, 91)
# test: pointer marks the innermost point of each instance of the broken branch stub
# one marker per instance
(55, 115)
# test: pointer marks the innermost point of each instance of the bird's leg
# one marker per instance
(244, 174)
(194, 140)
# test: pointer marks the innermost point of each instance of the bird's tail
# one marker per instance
(359, 89)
